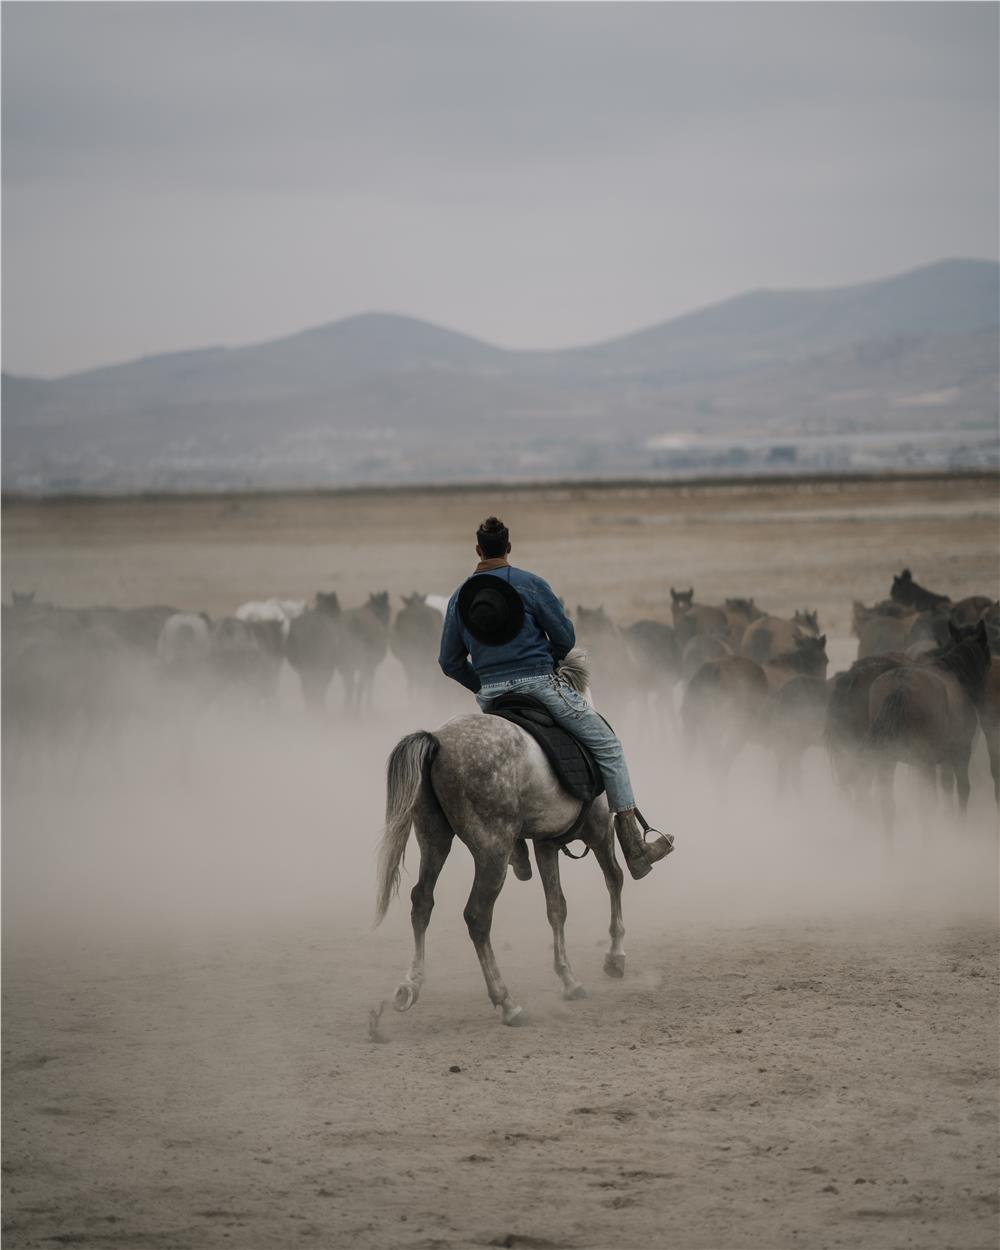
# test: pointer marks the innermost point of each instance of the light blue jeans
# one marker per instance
(574, 713)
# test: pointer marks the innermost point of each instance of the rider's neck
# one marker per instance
(497, 562)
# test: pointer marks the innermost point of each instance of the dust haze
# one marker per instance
(189, 887)
(210, 820)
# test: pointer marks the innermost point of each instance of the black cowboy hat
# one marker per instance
(490, 609)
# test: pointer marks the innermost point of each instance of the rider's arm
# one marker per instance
(454, 658)
(553, 619)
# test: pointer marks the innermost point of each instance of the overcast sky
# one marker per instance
(538, 175)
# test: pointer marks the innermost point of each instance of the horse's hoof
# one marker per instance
(517, 1018)
(614, 966)
(406, 996)
(577, 992)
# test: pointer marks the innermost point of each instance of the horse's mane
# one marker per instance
(802, 660)
(967, 661)
(576, 669)
(906, 590)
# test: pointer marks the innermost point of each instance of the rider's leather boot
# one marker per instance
(640, 855)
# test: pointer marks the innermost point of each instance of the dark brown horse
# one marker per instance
(739, 614)
(616, 676)
(969, 610)
(720, 705)
(989, 719)
(790, 722)
(807, 658)
(925, 714)
(414, 639)
(906, 590)
(770, 636)
(312, 648)
(699, 649)
(692, 618)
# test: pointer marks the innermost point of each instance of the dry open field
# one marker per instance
(803, 1052)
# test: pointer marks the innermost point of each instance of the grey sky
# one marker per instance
(179, 175)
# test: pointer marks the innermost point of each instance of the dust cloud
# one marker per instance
(211, 819)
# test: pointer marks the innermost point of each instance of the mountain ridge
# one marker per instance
(386, 397)
(670, 325)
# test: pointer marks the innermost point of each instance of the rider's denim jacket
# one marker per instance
(546, 637)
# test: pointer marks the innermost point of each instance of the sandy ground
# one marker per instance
(803, 1052)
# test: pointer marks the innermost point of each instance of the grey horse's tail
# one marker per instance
(405, 772)
(576, 669)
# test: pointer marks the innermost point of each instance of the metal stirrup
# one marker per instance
(646, 826)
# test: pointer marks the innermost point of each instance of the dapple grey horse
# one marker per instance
(486, 781)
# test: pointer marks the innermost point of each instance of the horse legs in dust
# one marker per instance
(960, 764)
(434, 836)
(886, 775)
(491, 871)
(992, 736)
(547, 859)
(929, 800)
(604, 853)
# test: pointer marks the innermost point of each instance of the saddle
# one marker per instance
(571, 762)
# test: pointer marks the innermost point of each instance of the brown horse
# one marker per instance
(739, 614)
(847, 718)
(657, 657)
(363, 644)
(989, 719)
(969, 610)
(906, 590)
(770, 636)
(414, 639)
(698, 650)
(720, 705)
(692, 618)
(312, 648)
(791, 720)
(807, 658)
(616, 681)
(925, 714)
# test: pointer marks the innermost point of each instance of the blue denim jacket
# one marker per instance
(546, 637)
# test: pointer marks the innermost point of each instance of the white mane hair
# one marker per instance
(576, 669)
(283, 610)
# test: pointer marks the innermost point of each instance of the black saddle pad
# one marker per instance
(571, 762)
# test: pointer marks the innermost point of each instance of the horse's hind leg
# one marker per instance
(547, 859)
(886, 772)
(960, 764)
(604, 852)
(491, 870)
(434, 837)
(992, 736)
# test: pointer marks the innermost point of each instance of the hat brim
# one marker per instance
(491, 609)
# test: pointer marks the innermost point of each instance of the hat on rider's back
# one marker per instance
(490, 609)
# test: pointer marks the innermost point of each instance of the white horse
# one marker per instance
(283, 610)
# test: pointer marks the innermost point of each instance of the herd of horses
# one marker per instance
(721, 676)
(921, 688)
(725, 675)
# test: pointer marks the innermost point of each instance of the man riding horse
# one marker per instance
(504, 633)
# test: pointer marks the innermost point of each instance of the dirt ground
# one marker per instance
(804, 1049)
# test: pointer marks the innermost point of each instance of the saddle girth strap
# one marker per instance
(572, 834)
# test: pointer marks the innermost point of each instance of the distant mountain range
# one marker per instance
(897, 373)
